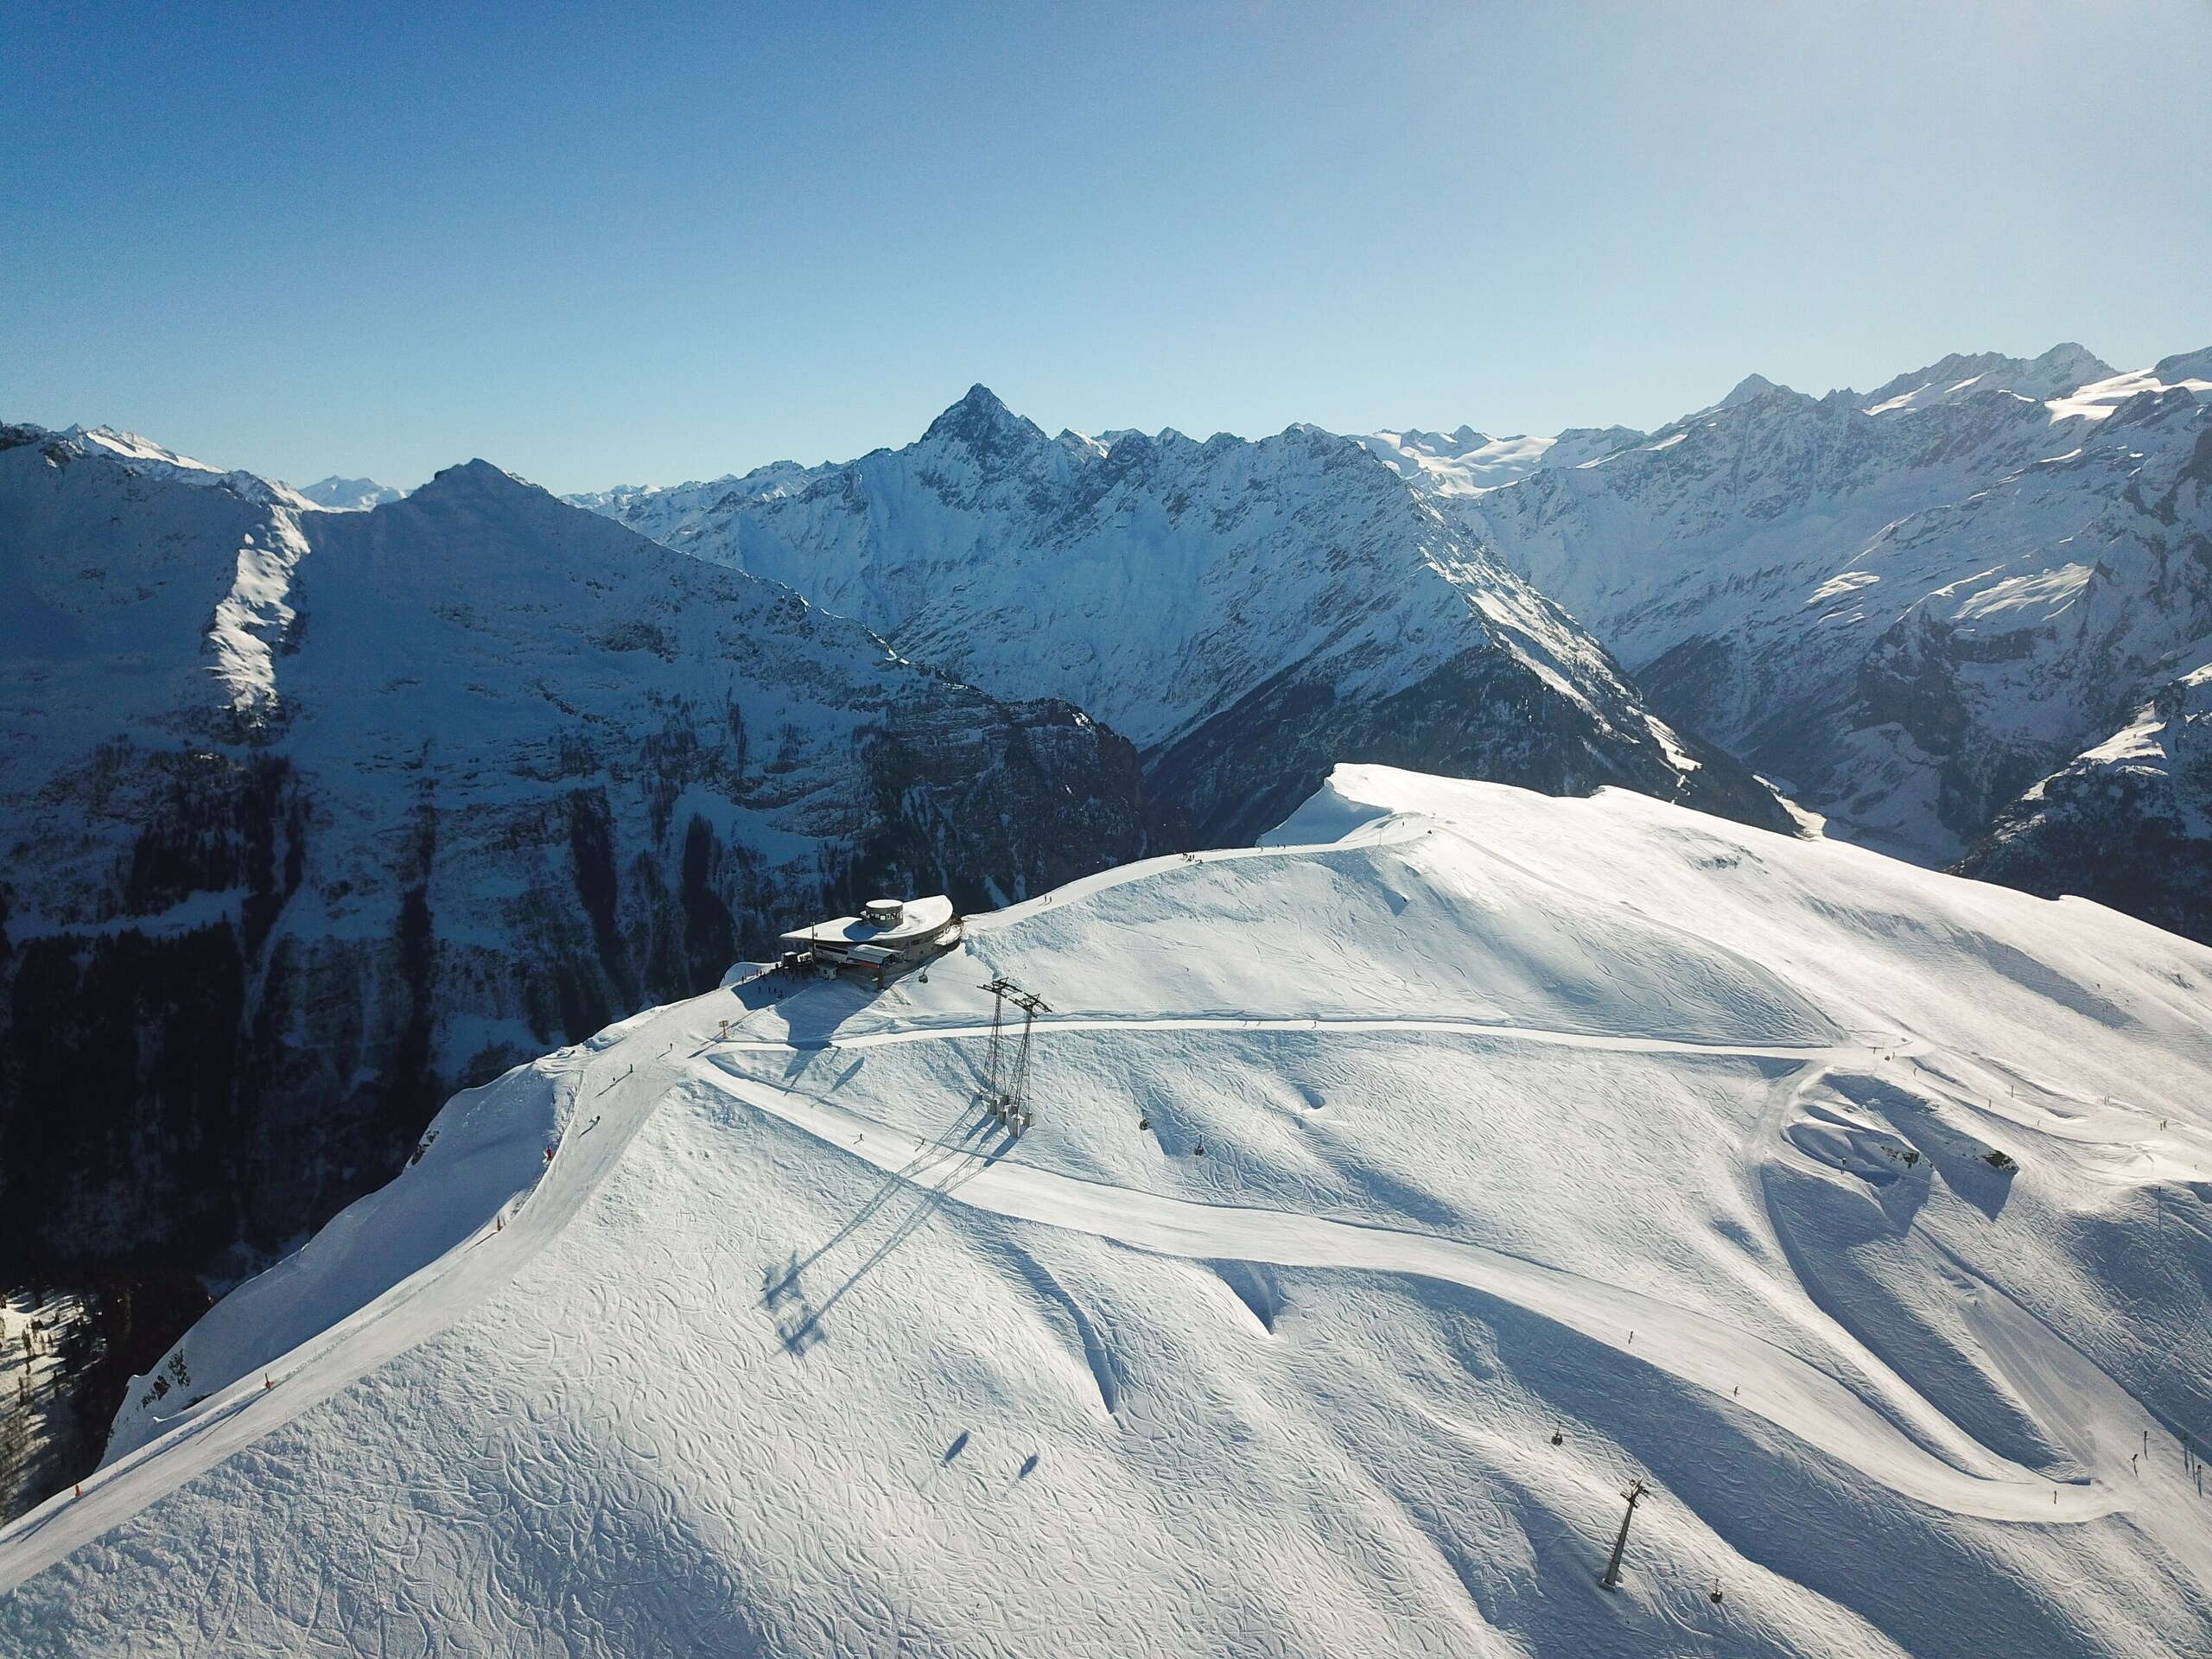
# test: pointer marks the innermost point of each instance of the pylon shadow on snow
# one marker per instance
(971, 1145)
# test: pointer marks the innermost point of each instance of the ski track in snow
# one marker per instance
(1762, 1378)
(1062, 1024)
(1758, 1376)
(608, 1088)
(412, 1312)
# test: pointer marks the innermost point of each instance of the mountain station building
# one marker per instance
(889, 934)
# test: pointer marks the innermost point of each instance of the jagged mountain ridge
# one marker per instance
(1908, 606)
(1248, 612)
(313, 816)
(2127, 823)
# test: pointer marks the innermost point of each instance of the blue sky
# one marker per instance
(601, 244)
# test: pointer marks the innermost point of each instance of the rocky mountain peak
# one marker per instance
(2074, 363)
(1750, 386)
(983, 424)
(478, 477)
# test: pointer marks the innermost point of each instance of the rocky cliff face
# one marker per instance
(1250, 613)
(314, 817)
(2127, 824)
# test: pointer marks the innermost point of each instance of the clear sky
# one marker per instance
(600, 244)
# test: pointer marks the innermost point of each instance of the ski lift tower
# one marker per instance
(1006, 1081)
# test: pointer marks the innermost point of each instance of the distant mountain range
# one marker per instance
(323, 804)
(1912, 606)
(1908, 606)
(1248, 613)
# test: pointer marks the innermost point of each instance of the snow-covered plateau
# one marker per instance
(1399, 1191)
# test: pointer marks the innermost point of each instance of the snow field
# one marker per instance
(750, 1370)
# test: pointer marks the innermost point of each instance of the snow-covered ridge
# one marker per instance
(1207, 598)
(131, 446)
(2190, 371)
(2056, 372)
(1907, 604)
(1398, 1191)
(146, 458)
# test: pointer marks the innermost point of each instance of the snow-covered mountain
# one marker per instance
(1248, 613)
(149, 460)
(2128, 822)
(1907, 605)
(1465, 461)
(1398, 1192)
(311, 818)
(350, 494)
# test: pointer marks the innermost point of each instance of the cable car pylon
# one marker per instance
(1005, 1079)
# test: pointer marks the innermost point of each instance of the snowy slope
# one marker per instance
(1248, 613)
(1907, 605)
(310, 818)
(1397, 1192)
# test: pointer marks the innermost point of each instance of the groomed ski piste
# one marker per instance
(1397, 1192)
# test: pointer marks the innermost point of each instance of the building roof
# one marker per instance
(922, 919)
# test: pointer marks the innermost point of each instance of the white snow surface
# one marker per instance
(1366, 1164)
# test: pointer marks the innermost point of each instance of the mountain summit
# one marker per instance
(1749, 387)
(979, 422)
(1248, 613)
